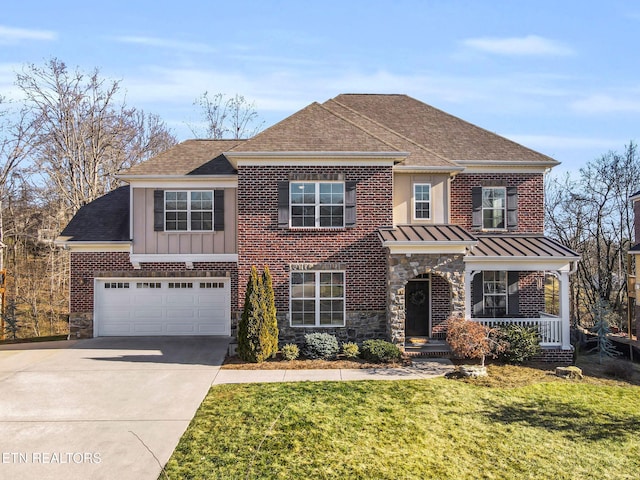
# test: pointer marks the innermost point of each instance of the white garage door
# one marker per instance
(175, 306)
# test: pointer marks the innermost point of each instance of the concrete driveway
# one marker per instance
(100, 408)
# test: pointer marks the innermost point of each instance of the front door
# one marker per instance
(417, 306)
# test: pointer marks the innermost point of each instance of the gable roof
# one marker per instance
(106, 219)
(192, 157)
(438, 131)
(315, 129)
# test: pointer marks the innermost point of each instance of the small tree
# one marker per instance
(469, 339)
(258, 330)
(601, 313)
(270, 315)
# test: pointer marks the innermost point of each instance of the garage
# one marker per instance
(162, 306)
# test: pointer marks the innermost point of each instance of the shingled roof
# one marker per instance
(316, 129)
(438, 131)
(192, 157)
(106, 219)
(372, 123)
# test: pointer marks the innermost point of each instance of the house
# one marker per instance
(378, 215)
(634, 268)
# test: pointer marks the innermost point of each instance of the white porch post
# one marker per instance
(468, 276)
(564, 310)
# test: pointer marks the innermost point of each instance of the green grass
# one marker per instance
(528, 427)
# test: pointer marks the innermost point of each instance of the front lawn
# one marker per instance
(523, 424)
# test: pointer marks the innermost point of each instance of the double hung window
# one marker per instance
(317, 298)
(188, 210)
(317, 204)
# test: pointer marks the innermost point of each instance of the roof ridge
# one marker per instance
(335, 114)
(398, 134)
(273, 126)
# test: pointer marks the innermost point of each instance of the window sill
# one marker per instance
(316, 326)
(317, 229)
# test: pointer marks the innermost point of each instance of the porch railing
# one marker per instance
(549, 327)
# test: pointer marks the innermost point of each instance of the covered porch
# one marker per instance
(439, 271)
(501, 270)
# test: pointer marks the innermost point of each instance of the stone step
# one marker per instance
(427, 348)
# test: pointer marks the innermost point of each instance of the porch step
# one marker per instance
(427, 347)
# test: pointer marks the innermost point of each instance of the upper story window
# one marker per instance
(494, 208)
(422, 201)
(317, 204)
(188, 210)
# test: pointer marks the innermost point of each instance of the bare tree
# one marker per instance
(233, 117)
(85, 135)
(593, 216)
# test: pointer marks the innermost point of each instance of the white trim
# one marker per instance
(317, 298)
(493, 208)
(182, 182)
(180, 257)
(427, 168)
(317, 205)
(123, 246)
(505, 294)
(297, 158)
(427, 247)
(316, 154)
(413, 201)
(505, 163)
(486, 168)
(189, 211)
(519, 263)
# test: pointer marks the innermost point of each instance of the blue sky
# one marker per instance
(561, 77)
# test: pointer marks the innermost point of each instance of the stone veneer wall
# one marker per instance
(403, 268)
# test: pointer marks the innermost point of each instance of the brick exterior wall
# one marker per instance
(530, 198)
(440, 306)
(357, 250)
(85, 266)
(531, 294)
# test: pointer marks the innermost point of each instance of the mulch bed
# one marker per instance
(278, 363)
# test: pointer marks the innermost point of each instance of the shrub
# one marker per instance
(290, 351)
(258, 328)
(469, 339)
(380, 351)
(320, 345)
(520, 343)
(350, 349)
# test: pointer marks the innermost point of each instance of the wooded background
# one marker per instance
(70, 133)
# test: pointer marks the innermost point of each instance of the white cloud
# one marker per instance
(529, 45)
(166, 43)
(602, 103)
(10, 35)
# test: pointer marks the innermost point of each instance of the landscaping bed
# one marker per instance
(278, 363)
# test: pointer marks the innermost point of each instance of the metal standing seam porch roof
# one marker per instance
(481, 247)
(499, 246)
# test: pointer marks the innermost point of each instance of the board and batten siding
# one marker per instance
(148, 241)
(403, 198)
